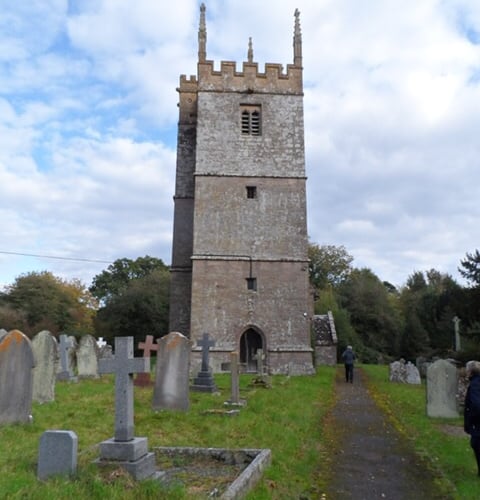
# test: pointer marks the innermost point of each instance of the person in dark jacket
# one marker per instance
(471, 416)
(348, 357)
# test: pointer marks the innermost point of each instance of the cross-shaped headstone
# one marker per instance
(205, 343)
(65, 344)
(143, 379)
(235, 383)
(124, 365)
(148, 346)
(101, 343)
(456, 323)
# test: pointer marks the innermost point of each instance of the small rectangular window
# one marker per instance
(252, 284)
(251, 191)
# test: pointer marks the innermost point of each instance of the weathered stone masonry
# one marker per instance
(239, 256)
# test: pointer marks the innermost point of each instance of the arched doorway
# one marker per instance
(250, 342)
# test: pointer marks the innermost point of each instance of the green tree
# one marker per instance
(470, 268)
(429, 301)
(329, 265)
(40, 300)
(115, 280)
(135, 299)
(372, 315)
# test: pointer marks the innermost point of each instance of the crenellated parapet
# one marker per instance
(273, 80)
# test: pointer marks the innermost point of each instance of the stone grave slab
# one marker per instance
(213, 472)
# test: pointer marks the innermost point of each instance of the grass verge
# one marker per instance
(441, 442)
(286, 418)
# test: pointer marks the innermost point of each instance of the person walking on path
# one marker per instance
(471, 416)
(348, 357)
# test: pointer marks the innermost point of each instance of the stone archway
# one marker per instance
(250, 341)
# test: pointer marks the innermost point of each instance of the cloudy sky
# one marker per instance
(88, 115)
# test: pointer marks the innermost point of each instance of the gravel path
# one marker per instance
(372, 460)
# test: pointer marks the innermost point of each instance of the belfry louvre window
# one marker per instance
(251, 119)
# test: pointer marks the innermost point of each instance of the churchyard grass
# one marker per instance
(285, 418)
(442, 442)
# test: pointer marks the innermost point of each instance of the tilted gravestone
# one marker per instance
(204, 381)
(144, 379)
(57, 454)
(45, 350)
(124, 449)
(66, 344)
(171, 374)
(16, 378)
(442, 381)
(87, 357)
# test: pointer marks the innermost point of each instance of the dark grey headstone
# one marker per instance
(204, 381)
(66, 345)
(57, 455)
(16, 378)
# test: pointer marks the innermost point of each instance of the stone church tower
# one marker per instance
(239, 259)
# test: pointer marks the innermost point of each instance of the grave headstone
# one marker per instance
(404, 372)
(16, 378)
(262, 380)
(2, 332)
(57, 454)
(44, 346)
(204, 381)
(235, 382)
(87, 357)
(442, 389)
(101, 342)
(259, 358)
(412, 375)
(124, 449)
(144, 379)
(456, 323)
(172, 373)
(66, 371)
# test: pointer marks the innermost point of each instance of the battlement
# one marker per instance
(250, 79)
(189, 84)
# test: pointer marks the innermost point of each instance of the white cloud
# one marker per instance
(88, 124)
